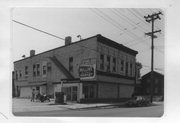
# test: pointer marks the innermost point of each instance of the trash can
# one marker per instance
(59, 98)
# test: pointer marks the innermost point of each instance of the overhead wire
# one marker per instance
(55, 35)
(136, 11)
(131, 20)
(138, 17)
(132, 12)
(47, 33)
(38, 30)
(129, 33)
(110, 21)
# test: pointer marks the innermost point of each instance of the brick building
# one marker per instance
(93, 69)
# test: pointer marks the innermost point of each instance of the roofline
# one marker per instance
(128, 50)
(150, 72)
(57, 48)
(117, 45)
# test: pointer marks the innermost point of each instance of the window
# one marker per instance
(37, 88)
(131, 70)
(102, 62)
(127, 68)
(71, 64)
(16, 75)
(20, 74)
(147, 90)
(114, 64)
(26, 70)
(38, 69)
(48, 67)
(34, 70)
(44, 69)
(122, 65)
(108, 63)
(156, 81)
(156, 90)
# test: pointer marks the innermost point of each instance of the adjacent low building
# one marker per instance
(157, 85)
(92, 69)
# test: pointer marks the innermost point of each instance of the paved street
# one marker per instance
(43, 109)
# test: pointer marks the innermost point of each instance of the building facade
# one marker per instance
(93, 69)
(158, 84)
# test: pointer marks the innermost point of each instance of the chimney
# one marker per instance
(32, 53)
(67, 40)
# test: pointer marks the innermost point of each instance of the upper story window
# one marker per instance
(127, 68)
(49, 67)
(114, 64)
(44, 70)
(131, 69)
(102, 62)
(156, 90)
(20, 74)
(108, 63)
(122, 65)
(38, 69)
(156, 81)
(71, 64)
(26, 70)
(34, 70)
(16, 75)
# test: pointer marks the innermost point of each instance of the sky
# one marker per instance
(125, 26)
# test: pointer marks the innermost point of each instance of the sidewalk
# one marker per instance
(25, 105)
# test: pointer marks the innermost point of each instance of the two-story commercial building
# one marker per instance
(92, 69)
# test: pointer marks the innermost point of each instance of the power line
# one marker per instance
(130, 20)
(132, 12)
(37, 29)
(136, 11)
(48, 33)
(124, 29)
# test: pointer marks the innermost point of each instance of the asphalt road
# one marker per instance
(151, 111)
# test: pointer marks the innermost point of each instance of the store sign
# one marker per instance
(87, 71)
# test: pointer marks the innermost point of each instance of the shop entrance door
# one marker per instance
(71, 93)
(89, 91)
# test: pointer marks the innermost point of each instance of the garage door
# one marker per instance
(25, 92)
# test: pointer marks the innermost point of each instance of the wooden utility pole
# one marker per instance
(152, 18)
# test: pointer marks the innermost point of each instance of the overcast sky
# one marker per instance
(125, 26)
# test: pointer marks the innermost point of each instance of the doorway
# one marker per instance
(71, 93)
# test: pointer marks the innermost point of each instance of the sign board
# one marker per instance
(87, 71)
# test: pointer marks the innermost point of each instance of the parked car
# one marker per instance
(138, 101)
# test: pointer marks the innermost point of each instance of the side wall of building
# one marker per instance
(78, 51)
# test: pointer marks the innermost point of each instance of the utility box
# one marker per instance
(59, 98)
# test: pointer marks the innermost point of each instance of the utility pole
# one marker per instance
(152, 18)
